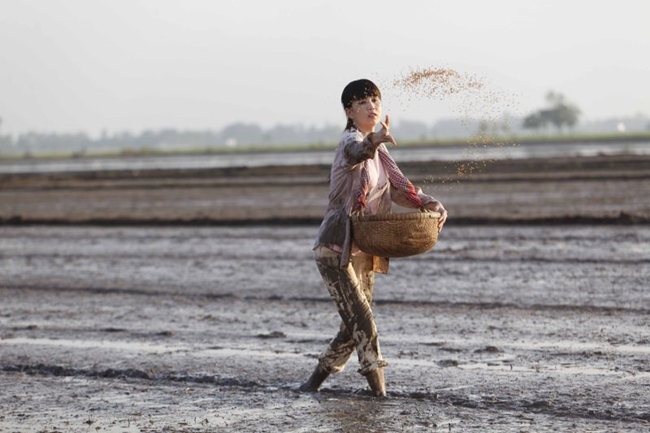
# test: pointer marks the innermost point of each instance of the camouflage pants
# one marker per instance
(351, 289)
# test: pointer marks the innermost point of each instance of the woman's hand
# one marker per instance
(383, 135)
(436, 206)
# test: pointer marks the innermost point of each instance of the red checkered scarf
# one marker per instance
(395, 177)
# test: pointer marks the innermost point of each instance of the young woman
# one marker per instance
(364, 178)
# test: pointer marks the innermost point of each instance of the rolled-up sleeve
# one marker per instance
(357, 148)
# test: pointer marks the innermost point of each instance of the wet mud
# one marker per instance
(534, 324)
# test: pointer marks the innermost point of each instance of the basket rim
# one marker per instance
(395, 216)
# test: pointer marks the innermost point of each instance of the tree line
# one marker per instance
(557, 115)
(166, 139)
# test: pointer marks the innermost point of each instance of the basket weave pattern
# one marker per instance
(395, 234)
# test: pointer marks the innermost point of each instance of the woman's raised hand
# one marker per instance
(384, 133)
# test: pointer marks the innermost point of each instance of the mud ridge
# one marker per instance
(120, 291)
(623, 218)
(43, 185)
(539, 260)
(441, 258)
(326, 300)
(474, 305)
(128, 373)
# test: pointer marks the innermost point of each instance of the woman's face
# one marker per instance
(365, 113)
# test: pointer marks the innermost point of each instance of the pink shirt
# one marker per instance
(345, 181)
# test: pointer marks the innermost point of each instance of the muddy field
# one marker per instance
(602, 189)
(189, 302)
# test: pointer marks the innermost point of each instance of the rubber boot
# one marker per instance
(315, 380)
(377, 383)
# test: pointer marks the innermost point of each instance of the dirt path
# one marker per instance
(201, 329)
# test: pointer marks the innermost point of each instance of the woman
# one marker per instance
(364, 178)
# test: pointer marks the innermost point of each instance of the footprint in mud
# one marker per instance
(274, 334)
(488, 349)
(448, 363)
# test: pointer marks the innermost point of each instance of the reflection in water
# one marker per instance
(441, 153)
(350, 413)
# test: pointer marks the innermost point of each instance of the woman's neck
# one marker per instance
(363, 131)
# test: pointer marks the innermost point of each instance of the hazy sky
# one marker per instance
(89, 65)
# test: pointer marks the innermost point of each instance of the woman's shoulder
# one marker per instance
(350, 135)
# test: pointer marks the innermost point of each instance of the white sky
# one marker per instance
(89, 65)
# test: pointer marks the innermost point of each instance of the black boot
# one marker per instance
(315, 380)
(376, 381)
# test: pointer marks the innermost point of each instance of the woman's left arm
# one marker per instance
(403, 190)
(400, 197)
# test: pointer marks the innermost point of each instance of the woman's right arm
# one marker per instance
(358, 148)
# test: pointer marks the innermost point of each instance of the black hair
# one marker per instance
(356, 90)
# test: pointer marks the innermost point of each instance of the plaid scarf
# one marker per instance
(395, 177)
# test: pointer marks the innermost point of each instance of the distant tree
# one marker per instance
(5, 140)
(489, 129)
(559, 114)
(243, 133)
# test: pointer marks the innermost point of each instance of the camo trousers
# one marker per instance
(351, 289)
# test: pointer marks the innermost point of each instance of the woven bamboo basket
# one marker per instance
(395, 234)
